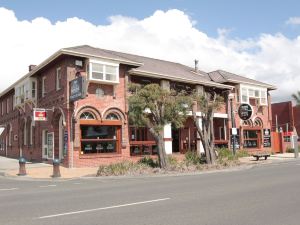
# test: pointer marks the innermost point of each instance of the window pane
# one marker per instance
(111, 77)
(257, 93)
(99, 132)
(98, 76)
(97, 67)
(251, 93)
(111, 69)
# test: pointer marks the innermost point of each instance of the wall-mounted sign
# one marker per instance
(245, 111)
(77, 89)
(267, 138)
(39, 115)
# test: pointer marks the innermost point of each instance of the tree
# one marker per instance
(207, 104)
(296, 97)
(154, 107)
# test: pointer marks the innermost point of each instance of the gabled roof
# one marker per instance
(147, 66)
(222, 77)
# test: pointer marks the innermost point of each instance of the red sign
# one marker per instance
(39, 115)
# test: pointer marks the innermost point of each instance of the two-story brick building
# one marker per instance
(95, 130)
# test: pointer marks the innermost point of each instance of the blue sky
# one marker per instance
(256, 39)
(244, 18)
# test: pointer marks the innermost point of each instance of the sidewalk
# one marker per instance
(10, 167)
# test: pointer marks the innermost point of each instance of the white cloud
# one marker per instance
(293, 21)
(169, 35)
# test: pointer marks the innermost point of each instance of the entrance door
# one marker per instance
(45, 144)
(175, 140)
(50, 143)
(61, 138)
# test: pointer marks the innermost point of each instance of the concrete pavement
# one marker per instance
(264, 195)
(10, 167)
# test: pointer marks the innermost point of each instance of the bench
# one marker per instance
(258, 155)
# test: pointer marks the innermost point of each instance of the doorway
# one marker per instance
(175, 140)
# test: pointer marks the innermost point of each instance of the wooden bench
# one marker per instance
(259, 155)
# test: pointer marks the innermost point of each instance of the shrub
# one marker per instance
(172, 160)
(116, 169)
(290, 150)
(148, 161)
(191, 157)
(242, 153)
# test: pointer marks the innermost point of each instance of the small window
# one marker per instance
(97, 71)
(99, 92)
(58, 79)
(33, 89)
(256, 93)
(244, 95)
(7, 105)
(43, 86)
(263, 98)
(87, 116)
(101, 71)
(112, 116)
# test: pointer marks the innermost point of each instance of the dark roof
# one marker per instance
(223, 77)
(150, 66)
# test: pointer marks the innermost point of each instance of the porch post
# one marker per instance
(168, 138)
(165, 84)
(199, 142)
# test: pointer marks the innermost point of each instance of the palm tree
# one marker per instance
(296, 97)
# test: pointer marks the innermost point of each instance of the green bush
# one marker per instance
(116, 169)
(242, 153)
(172, 160)
(148, 161)
(225, 153)
(192, 157)
(290, 150)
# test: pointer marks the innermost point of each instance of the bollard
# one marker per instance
(22, 166)
(56, 169)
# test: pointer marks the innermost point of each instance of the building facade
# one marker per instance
(95, 129)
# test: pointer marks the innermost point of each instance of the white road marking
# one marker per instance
(76, 183)
(50, 185)
(9, 189)
(103, 208)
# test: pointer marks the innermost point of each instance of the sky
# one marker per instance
(257, 39)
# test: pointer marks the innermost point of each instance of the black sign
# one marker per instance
(267, 138)
(245, 111)
(77, 89)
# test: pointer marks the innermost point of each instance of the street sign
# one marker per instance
(245, 111)
(39, 115)
(267, 138)
(77, 89)
(234, 131)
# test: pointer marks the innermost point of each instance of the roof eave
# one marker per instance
(158, 75)
(271, 87)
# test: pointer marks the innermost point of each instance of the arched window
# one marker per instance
(112, 116)
(247, 123)
(87, 116)
(258, 122)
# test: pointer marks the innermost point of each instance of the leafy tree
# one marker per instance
(296, 97)
(153, 107)
(207, 103)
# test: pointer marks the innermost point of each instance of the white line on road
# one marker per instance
(50, 185)
(9, 189)
(103, 208)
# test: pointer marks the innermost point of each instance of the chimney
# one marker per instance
(196, 65)
(31, 67)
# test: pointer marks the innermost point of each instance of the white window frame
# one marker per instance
(43, 86)
(104, 64)
(249, 89)
(58, 78)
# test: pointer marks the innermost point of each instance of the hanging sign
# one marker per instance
(39, 115)
(245, 111)
(77, 89)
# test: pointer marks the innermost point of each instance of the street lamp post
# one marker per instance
(233, 128)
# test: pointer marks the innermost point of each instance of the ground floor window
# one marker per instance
(141, 141)
(252, 138)
(100, 139)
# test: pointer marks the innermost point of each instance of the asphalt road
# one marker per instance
(262, 195)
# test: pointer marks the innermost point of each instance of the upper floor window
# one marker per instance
(7, 105)
(58, 78)
(253, 95)
(33, 89)
(43, 86)
(2, 108)
(104, 72)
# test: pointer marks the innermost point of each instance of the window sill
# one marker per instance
(99, 155)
